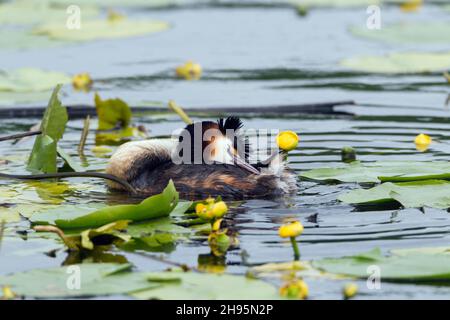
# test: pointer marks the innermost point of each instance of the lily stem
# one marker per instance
(295, 247)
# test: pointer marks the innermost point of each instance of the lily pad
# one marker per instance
(334, 3)
(412, 32)
(100, 279)
(416, 194)
(206, 286)
(414, 267)
(112, 113)
(402, 63)
(32, 12)
(394, 171)
(25, 80)
(157, 206)
(101, 29)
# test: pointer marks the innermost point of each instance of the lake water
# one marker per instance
(259, 56)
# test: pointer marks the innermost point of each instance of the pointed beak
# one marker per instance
(244, 165)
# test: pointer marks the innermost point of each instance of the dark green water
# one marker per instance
(256, 56)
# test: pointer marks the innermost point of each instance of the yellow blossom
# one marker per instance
(292, 229)
(350, 290)
(287, 140)
(219, 209)
(189, 71)
(410, 5)
(82, 81)
(422, 142)
(8, 294)
(295, 289)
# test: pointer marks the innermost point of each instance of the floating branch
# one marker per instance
(61, 175)
(20, 135)
(81, 111)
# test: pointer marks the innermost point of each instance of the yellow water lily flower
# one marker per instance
(82, 82)
(189, 71)
(114, 16)
(8, 294)
(287, 140)
(210, 210)
(292, 229)
(350, 290)
(295, 289)
(411, 5)
(422, 142)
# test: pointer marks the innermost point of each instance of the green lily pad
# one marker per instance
(121, 3)
(412, 32)
(416, 194)
(32, 12)
(112, 113)
(100, 279)
(157, 206)
(334, 3)
(393, 171)
(412, 267)
(30, 80)
(43, 155)
(206, 286)
(402, 63)
(9, 215)
(101, 29)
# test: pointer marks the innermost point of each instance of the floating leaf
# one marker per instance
(9, 214)
(69, 160)
(32, 12)
(334, 3)
(400, 63)
(30, 80)
(156, 206)
(53, 125)
(100, 29)
(409, 267)
(112, 113)
(393, 171)
(412, 32)
(99, 279)
(87, 239)
(416, 194)
(206, 286)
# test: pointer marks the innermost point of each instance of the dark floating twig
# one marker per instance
(20, 135)
(82, 111)
(60, 175)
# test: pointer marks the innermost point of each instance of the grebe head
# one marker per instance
(215, 142)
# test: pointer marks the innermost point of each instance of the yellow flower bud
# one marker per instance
(82, 81)
(287, 140)
(422, 139)
(292, 229)
(411, 5)
(114, 16)
(219, 209)
(295, 289)
(350, 290)
(189, 71)
(422, 142)
(8, 294)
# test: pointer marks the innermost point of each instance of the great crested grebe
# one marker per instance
(219, 169)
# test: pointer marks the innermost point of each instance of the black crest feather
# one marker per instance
(233, 123)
